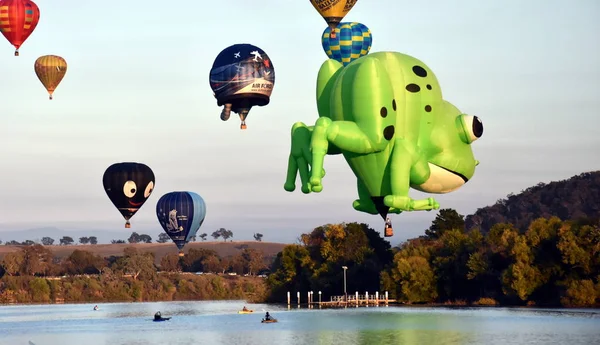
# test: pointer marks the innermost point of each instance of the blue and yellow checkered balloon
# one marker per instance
(352, 41)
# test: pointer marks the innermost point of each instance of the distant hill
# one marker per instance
(103, 235)
(573, 198)
(223, 249)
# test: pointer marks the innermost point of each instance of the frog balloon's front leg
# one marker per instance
(407, 166)
(346, 135)
(364, 203)
(300, 158)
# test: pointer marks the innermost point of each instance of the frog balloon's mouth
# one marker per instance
(441, 180)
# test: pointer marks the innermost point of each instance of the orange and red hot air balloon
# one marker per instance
(18, 19)
(50, 70)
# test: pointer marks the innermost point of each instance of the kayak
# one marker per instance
(245, 311)
(268, 321)
(162, 319)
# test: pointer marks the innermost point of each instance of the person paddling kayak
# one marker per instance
(158, 317)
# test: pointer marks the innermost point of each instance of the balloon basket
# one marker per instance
(243, 126)
(389, 232)
(16, 53)
(181, 254)
(127, 225)
(50, 97)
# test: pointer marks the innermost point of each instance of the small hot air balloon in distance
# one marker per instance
(241, 77)
(50, 70)
(333, 11)
(352, 41)
(128, 185)
(181, 214)
(18, 19)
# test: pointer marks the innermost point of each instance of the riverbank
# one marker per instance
(108, 288)
(159, 250)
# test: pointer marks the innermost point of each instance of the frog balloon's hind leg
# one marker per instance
(406, 168)
(364, 203)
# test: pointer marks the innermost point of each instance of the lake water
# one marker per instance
(212, 322)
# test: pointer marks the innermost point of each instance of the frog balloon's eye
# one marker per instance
(129, 189)
(149, 189)
(469, 127)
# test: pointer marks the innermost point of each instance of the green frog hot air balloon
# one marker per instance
(385, 114)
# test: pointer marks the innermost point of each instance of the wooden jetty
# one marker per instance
(351, 300)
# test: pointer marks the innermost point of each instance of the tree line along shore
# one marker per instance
(552, 263)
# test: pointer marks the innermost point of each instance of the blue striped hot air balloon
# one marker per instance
(352, 41)
(181, 214)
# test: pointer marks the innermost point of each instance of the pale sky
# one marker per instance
(137, 89)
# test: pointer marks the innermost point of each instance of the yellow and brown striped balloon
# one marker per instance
(50, 70)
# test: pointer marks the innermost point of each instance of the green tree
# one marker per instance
(223, 233)
(211, 263)
(203, 236)
(580, 293)
(66, 240)
(143, 238)
(253, 260)
(226, 234)
(40, 290)
(84, 262)
(163, 238)
(38, 260)
(416, 279)
(317, 262)
(93, 240)
(258, 236)
(522, 277)
(238, 264)
(290, 272)
(134, 238)
(47, 241)
(446, 220)
(140, 264)
(13, 262)
(449, 262)
(170, 263)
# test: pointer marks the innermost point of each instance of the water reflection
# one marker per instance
(217, 322)
(414, 336)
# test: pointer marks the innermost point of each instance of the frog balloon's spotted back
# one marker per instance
(385, 113)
